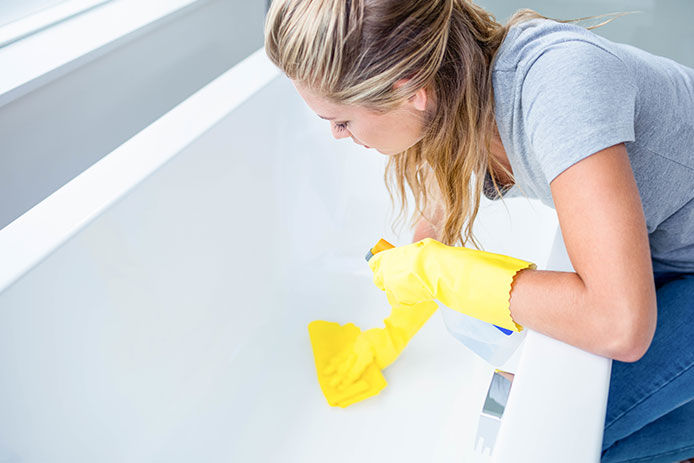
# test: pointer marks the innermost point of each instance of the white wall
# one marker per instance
(53, 133)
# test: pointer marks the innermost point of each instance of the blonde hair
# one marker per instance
(354, 51)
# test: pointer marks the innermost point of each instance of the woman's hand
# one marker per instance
(346, 367)
(379, 346)
(398, 272)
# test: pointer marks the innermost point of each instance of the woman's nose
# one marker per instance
(339, 133)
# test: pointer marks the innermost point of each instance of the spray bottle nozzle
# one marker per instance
(382, 245)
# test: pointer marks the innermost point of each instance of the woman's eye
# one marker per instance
(341, 126)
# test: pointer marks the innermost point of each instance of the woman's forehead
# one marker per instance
(324, 107)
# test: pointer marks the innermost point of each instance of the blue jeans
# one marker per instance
(650, 406)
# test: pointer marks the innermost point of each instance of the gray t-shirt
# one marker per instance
(563, 93)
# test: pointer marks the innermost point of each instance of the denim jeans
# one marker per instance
(650, 406)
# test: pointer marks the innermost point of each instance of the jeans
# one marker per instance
(650, 405)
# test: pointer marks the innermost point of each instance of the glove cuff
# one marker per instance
(481, 284)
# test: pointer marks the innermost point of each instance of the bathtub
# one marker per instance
(154, 308)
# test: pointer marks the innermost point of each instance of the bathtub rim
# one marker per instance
(41, 230)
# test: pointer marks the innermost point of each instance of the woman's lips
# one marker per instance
(360, 143)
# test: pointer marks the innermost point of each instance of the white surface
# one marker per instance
(44, 17)
(43, 228)
(12, 10)
(155, 308)
(29, 62)
(556, 409)
(85, 110)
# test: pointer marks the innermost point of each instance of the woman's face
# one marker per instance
(389, 133)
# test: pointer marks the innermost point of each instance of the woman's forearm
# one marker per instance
(424, 229)
(561, 306)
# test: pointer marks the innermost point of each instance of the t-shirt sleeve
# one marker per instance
(577, 99)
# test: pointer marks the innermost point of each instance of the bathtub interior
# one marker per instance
(173, 326)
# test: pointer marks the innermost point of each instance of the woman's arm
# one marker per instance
(608, 306)
(428, 225)
(424, 229)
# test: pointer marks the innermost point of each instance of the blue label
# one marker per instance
(503, 330)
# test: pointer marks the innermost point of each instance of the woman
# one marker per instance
(603, 132)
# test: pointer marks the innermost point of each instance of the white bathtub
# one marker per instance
(154, 309)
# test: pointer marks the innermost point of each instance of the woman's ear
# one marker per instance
(419, 99)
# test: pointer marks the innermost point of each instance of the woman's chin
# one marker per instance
(387, 152)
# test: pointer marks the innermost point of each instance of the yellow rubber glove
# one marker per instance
(476, 283)
(379, 345)
(330, 339)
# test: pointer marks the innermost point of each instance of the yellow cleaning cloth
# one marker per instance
(330, 339)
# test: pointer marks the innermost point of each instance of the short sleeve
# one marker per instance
(577, 99)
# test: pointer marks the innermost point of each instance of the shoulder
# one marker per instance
(573, 92)
(565, 60)
(551, 41)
